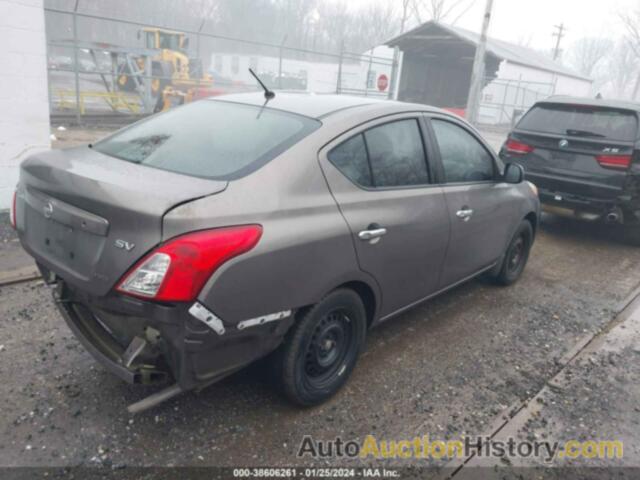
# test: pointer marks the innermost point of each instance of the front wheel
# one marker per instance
(322, 348)
(516, 256)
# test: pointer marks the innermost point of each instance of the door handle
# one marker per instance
(372, 235)
(464, 214)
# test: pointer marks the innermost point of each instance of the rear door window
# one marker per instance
(388, 155)
(396, 154)
(350, 158)
(582, 121)
(210, 139)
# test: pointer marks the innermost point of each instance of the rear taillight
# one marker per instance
(177, 270)
(12, 212)
(619, 162)
(518, 148)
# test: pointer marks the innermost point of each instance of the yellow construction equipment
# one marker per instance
(175, 77)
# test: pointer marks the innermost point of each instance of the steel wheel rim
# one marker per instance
(516, 254)
(328, 348)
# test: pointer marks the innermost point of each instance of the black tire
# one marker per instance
(515, 257)
(321, 348)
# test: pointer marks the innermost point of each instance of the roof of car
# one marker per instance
(595, 102)
(311, 105)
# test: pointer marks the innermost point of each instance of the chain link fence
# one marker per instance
(102, 66)
(504, 101)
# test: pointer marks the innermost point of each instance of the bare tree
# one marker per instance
(587, 53)
(631, 21)
(441, 10)
(622, 69)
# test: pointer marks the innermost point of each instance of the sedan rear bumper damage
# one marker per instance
(147, 343)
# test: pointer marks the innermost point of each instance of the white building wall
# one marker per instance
(24, 105)
(517, 87)
(320, 77)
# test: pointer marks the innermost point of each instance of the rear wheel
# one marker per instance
(516, 256)
(322, 348)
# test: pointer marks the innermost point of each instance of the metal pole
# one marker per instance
(76, 61)
(477, 73)
(395, 73)
(148, 98)
(504, 100)
(366, 85)
(339, 80)
(559, 34)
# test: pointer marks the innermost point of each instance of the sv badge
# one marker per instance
(124, 245)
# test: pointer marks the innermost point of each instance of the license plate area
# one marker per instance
(59, 240)
(64, 236)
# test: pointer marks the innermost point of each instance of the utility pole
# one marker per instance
(559, 33)
(477, 73)
(395, 66)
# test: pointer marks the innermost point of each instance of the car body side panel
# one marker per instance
(407, 260)
(480, 241)
(305, 250)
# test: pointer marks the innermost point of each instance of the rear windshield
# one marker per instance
(210, 139)
(585, 121)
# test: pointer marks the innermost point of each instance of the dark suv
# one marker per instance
(583, 155)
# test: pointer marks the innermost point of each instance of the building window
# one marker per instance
(235, 64)
(253, 63)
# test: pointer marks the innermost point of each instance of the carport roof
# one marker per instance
(433, 31)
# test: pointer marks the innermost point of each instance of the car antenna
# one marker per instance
(268, 94)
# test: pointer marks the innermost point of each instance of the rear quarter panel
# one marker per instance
(305, 250)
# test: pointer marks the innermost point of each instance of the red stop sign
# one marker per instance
(383, 82)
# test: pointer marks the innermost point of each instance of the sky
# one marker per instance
(530, 22)
(524, 21)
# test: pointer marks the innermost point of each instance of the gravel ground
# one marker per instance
(445, 368)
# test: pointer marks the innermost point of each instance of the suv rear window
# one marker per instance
(578, 120)
(210, 139)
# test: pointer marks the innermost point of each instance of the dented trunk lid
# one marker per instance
(89, 217)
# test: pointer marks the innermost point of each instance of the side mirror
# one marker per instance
(513, 173)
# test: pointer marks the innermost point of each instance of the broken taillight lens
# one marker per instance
(177, 270)
(618, 162)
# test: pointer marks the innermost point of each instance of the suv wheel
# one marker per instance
(516, 256)
(322, 348)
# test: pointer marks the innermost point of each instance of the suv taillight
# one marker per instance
(518, 148)
(618, 162)
(12, 212)
(177, 270)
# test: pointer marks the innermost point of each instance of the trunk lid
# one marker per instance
(567, 141)
(89, 217)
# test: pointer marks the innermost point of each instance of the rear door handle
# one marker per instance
(464, 214)
(372, 235)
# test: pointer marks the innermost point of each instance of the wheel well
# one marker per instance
(533, 220)
(367, 296)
